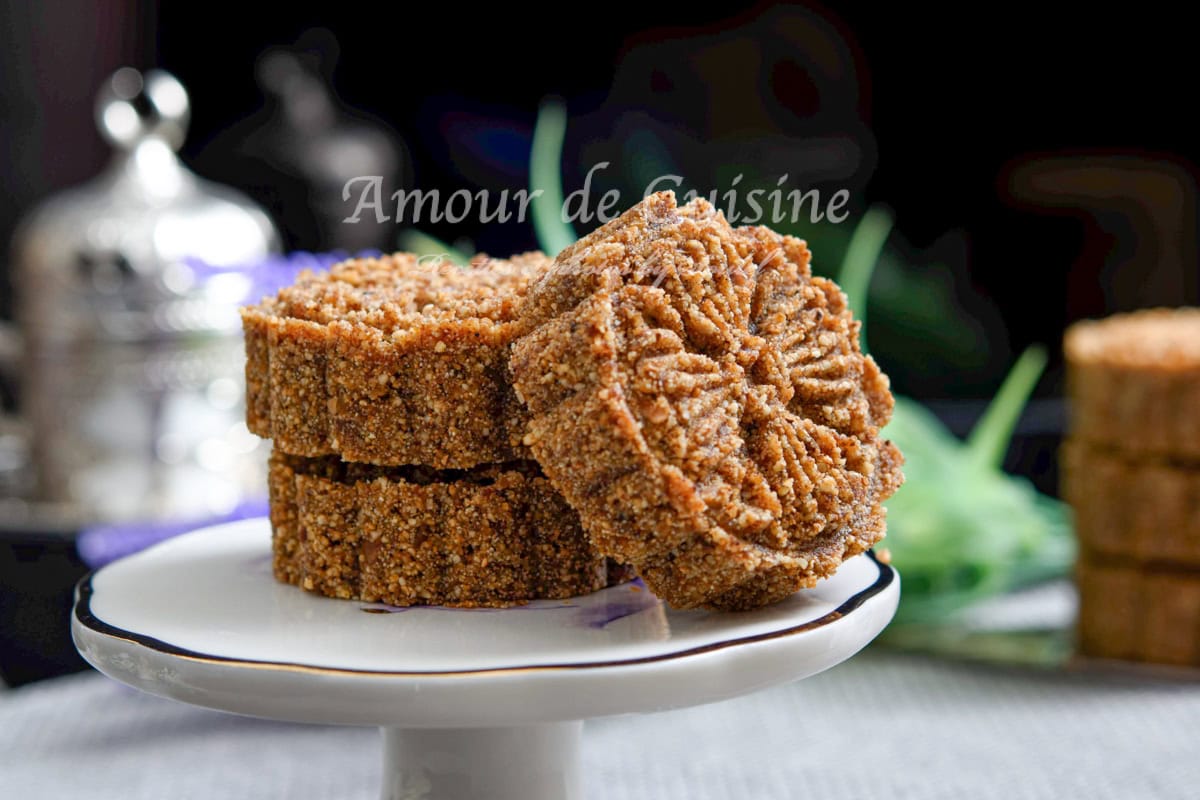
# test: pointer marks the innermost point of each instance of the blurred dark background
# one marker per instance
(937, 116)
(1036, 157)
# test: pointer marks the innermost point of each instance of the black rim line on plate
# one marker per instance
(83, 613)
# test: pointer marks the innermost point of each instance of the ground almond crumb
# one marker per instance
(494, 536)
(391, 360)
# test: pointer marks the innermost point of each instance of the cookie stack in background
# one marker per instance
(1131, 471)
(397, 473)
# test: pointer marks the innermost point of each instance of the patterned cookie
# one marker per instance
(701, 400)
(391, 361)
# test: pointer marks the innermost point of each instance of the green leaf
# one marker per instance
(545, 176)
(961, 531)
(989, 439)
(862, 256)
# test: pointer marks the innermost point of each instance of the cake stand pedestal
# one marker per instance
(482, 703)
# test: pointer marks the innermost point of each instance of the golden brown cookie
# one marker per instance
(1138, 613)
(1133, 509)
(492, 536)
(1134, 382)
(390, 361)
(701, 400)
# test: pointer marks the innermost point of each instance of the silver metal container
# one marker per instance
(130, 382)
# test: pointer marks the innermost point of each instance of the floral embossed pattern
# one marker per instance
(700, 398)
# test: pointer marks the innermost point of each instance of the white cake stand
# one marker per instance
(483, 703)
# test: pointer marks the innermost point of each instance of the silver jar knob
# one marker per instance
(132, 107)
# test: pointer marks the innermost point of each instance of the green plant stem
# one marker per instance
(545, 176)
(862, 256)
(415, 241)
(989, 439)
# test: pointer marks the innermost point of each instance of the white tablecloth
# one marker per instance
(880, 726)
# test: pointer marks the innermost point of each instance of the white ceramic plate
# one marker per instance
(200, 619)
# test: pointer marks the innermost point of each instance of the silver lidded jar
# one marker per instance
(130, 384)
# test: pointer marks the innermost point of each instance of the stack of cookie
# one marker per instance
(1132, 474)
(670, 393)
(397, 473)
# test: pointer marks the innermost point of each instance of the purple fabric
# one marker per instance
(102, 544)
(274, 272)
